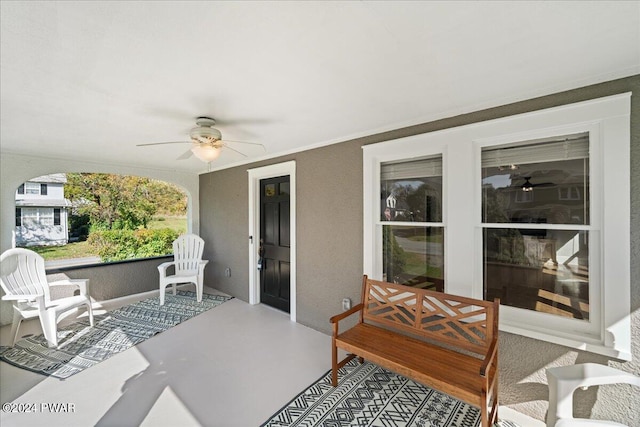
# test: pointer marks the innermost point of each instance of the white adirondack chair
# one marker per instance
(188, 264)
(24, 281)
(564, 380)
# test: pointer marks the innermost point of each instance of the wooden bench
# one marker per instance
(446, 342)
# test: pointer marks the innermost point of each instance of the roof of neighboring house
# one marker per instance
(58, 178)
(43, 203)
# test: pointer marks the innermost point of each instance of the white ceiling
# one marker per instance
(90, 80)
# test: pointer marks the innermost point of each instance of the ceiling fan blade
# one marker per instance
(163, 143)
(185, 155)
(244, 142)
(233, 149)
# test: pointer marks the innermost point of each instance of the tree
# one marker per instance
(168, 198)
(395, 257)
(121, 202)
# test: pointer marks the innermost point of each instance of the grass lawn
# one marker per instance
(82, 249)
(70, 250)
(178, 223)
(416, 265)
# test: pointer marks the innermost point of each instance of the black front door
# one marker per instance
(275, 242)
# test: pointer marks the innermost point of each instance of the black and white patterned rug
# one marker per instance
(82, 346)
(368, 395)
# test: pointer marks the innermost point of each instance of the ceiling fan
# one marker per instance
(529, 186)
(206, 141)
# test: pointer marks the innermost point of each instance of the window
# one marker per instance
(524, 214)
(524, 196)
(18, 217)
(32, 188)
(536, 252)
(569, 193)
(411, 221)
(37, 216)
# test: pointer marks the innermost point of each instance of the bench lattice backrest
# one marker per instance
(461, 322)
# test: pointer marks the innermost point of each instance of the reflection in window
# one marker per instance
(541, 270)
(533, 266)
(284, 188)
(414, 256)
(549, 175)
(270, 190)
(569, 193)
(412, 190)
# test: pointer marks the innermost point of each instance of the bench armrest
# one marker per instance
(354, 309)
(335, 319)
(488, 359)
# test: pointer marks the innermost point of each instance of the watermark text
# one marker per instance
(42, 407)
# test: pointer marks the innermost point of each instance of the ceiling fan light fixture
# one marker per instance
(206, 142)
(527, 186)
(206, 153)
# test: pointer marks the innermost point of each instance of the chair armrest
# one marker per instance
(82, 284)
(491, 354)
(162, 268)
(202, 263)
(38, 298)
(30, 297)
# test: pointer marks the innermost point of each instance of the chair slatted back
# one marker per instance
(187, 253)
(22, 272)
(464, 323)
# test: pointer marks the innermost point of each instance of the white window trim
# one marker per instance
(607, 120)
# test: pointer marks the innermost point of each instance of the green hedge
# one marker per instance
(116, 245)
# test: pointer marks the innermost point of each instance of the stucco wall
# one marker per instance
(329, 230)
(115, 280)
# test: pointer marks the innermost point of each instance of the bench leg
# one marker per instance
(334, 363)
(489, 409)
(484, 416)
(335, 366)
